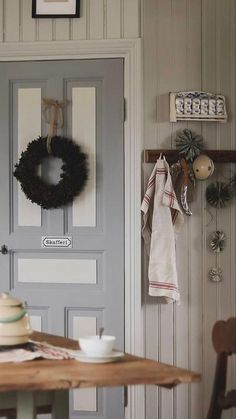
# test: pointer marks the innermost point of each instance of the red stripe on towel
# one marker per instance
(163, 285)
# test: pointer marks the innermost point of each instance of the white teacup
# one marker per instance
(96, 346)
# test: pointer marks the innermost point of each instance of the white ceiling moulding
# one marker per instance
(131, 51)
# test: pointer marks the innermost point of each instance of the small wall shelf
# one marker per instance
(218, 156)
(197, 106)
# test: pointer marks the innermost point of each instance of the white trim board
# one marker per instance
(131, 51)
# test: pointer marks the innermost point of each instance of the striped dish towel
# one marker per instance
(162, 220)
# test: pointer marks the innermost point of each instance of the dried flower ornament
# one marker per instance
(189, 144)
(215, 274)
(219, 194)
(217, 241)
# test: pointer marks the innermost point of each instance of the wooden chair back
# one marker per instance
(224, 342)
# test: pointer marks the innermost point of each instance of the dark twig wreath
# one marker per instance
(73, 177)
(219, 194)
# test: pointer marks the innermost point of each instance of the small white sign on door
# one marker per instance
(55, 242)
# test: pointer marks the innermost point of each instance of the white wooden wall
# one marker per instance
(100, 19)
(188, 44)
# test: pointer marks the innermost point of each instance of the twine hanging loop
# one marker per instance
(53, 115)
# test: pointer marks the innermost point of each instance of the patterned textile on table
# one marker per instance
(33, 350)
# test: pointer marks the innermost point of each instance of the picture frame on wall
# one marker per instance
(55, 8)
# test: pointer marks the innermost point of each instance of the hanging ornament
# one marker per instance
(219, 194)
(72, 179)
(186, 184)
(203, 167)
(74, 164)
(217, 241)
(215, 274)
(189, 144)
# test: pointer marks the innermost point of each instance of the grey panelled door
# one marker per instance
(69, 291)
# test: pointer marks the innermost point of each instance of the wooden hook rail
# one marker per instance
(218, 156)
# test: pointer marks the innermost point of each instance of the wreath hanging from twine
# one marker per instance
(73, 177)
(74, 168)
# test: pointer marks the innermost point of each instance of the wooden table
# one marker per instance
(44, 382)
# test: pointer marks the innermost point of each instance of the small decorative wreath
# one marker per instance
(189, 144)
(73, 177)
(219, 194)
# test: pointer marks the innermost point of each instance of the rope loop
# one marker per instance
(53, 115)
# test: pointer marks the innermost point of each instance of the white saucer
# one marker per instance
(83, 357)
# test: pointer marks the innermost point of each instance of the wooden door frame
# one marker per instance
(131, 51)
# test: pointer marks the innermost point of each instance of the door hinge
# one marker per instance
(125, 110)
(125, 396)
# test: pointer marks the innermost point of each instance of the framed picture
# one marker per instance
(55, 8)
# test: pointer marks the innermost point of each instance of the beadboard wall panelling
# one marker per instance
(210, 49)
(181, 356)
(186, 39)
(194, 308)
(113, 14)
(151, 72)
(190, 45)
(1, 20)
(62, 29)
(45, 29)
(79, 26)
(152, 61)
(131, 21)
(99, 19)
(12, 20)
(194, 240)
(194, 48)
(28, 25)
(164, 71)
(225, 218)
(97, 15)
(151, 14)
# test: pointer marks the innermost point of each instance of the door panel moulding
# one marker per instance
(131, 51)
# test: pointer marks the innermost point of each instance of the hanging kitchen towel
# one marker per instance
(162, 220)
